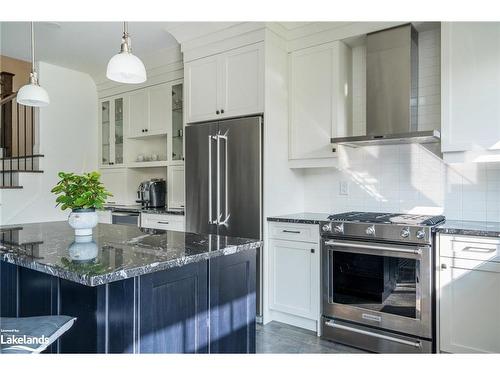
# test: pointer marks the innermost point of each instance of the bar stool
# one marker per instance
(32, 334)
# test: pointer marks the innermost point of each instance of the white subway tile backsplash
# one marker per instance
(406, 178)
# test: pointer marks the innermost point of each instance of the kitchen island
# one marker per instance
(132, 290)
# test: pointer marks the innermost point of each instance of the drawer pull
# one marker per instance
(291, 231)
(475, 249)
(162, 222)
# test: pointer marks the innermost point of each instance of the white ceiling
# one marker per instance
(84, 46)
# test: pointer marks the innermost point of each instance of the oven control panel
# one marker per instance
(391, 232)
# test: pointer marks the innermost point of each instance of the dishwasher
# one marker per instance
(125, 217)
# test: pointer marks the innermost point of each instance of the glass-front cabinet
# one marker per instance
(111, 120)
(177, 123)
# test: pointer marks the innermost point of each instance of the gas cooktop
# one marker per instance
(388, 218)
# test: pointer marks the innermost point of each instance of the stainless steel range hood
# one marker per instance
(391, 91)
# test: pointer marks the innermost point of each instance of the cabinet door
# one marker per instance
(177, 132)
(470, 86)
(294, 279)
(311, 111)
(138, 113)
(115, 181)
(105, 132)
(160, 108)
(173, 310)
(469, 306)
(118, 127)
(175, 182)
(201, 79)
(242, 86)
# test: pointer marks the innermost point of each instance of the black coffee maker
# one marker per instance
(152, 193)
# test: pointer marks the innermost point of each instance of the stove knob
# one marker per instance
(370, 231)
(326, 228)
(338, 228)
(405, 232)
(420, 234)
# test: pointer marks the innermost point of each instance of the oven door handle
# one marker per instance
(331, 323)
(374, 246)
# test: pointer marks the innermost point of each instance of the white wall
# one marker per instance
(68, 139)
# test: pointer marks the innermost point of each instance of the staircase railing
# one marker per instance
(17, 141)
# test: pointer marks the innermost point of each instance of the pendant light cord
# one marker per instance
(32, 47)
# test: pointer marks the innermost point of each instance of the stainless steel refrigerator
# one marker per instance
(223, 166)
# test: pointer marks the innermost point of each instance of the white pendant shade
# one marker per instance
(125, 67)
(33, 95)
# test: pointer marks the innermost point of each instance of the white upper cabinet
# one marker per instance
(319, 102)
(201, 89)
(225, 85)
(138, 113)
(150, 111)
(160, 109)
(242, 82)
(470, 83)
(112, 122)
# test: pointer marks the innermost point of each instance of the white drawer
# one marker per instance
(165, 222)
(294, 232)
(467, 247)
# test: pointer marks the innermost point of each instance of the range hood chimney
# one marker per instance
(391, 90)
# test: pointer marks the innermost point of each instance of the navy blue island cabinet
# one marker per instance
(207, 306)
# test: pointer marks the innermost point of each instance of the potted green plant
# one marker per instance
(83, 194)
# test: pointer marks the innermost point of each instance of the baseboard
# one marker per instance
(293, 320)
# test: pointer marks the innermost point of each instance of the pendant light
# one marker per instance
(125, 67)
(32, 94)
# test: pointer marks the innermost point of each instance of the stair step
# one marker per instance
(22, 157)
(11, 187)
(19, 171)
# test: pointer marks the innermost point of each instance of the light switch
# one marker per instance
(344, 188)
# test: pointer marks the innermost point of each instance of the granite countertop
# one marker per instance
(470, 228)
(139, 208)
(301, 218)
(118, 251)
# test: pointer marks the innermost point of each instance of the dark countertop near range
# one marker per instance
(301, 218)
(139, 208)
(122, 251)
(470, 228)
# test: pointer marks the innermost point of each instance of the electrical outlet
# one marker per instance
(344, 188)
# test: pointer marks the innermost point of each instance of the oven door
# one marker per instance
(378, 284)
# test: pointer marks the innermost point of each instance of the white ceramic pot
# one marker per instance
(83, 249)
(82, 221)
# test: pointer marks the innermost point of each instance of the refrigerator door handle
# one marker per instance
(210, 219)
(226, 182)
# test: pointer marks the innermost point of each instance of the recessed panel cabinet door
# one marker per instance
(175, 191)
(201, 89)
(160, 109)
(138, 113)
(311, 109)
(294, 283)
(242, 82)
(469, 306)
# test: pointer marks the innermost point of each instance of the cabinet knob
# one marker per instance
(444, 266)
(142, 130)
(146, 130)
(217, 112)
(221, 111)
(312, 251)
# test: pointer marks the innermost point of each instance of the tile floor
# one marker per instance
(278, 337)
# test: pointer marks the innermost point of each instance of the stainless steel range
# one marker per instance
(377, 279)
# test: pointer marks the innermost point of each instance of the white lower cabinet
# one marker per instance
(175, 187)
(294, 275)
(469, 295)
(104, 216)
(163, 221)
